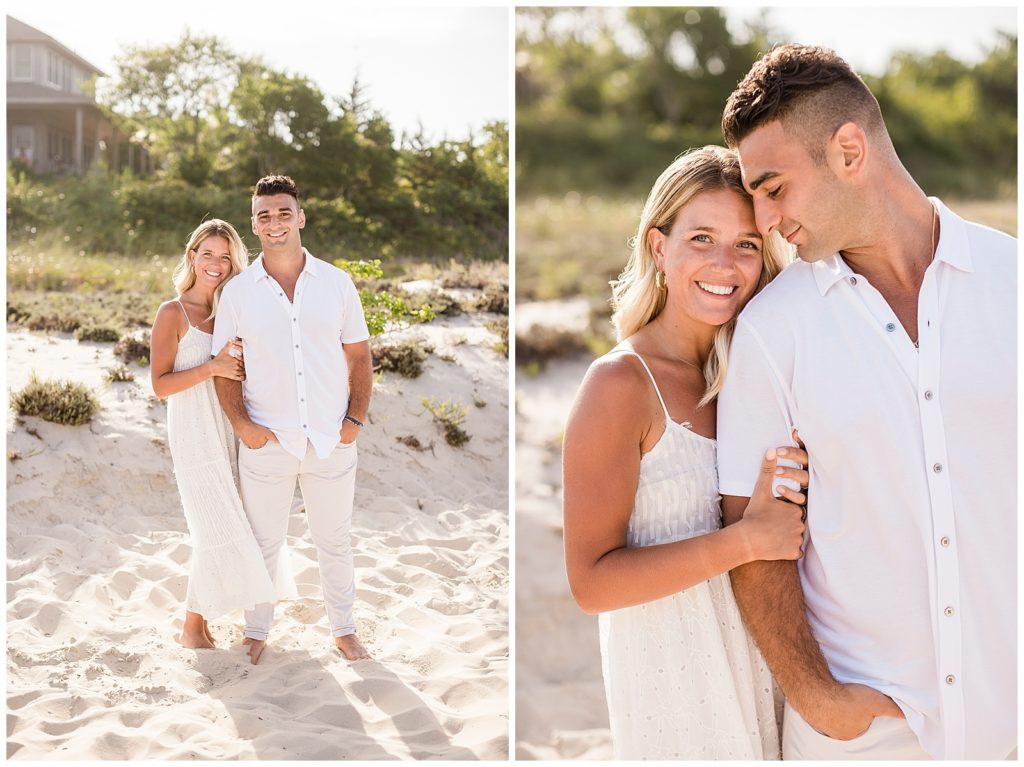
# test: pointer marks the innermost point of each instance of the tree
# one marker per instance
(178, 94)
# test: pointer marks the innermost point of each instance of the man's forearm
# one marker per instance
(360, 384)
(771, 601)
(229, 393)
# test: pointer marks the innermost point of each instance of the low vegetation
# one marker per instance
(97, 333)
(133, 349)
(120, 374)
(404, 357)
(449, 416)
(65, 402)
(500, 328)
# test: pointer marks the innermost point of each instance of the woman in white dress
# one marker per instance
(644, 543)
(227, 571)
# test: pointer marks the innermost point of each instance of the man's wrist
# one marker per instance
(352, 420)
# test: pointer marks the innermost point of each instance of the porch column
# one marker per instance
(79, 142)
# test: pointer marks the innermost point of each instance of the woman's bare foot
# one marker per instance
(195, 641)
(194, 633)
(209, 636)
(256, 647)
(351, 647)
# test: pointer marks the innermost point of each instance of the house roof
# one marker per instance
(20, 32)
(39, 95)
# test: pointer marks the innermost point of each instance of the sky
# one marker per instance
(444, 68)
(866, 36)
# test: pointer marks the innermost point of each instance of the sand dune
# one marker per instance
(560, 704)
(97, 569)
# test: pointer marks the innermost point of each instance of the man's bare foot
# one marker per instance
(196, 641)
(351, 647)
(209, 636)
(256, 647)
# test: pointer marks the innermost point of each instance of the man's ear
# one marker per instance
(847, 151)
(302, 218)
(252, 221)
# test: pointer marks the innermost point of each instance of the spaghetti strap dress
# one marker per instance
(682, 678)
(227, 570)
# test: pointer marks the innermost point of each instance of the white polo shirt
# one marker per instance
(296, 373)
(910, 572)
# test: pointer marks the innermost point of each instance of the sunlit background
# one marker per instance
(605, 100)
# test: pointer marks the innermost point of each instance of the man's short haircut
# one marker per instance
(809, 89)
(269, 185)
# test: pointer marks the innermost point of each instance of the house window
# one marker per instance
(60, 149)
(21, 143)
(55, 75)
(21, 68)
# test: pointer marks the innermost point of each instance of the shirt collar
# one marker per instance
(952, 248)
(311, 267)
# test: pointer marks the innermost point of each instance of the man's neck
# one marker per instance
(898, 238)
(284, 263)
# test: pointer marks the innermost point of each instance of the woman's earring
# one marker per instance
(660, 282)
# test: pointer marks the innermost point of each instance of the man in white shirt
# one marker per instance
(891, 346)
(302, 404)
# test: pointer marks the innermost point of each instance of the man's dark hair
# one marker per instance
(269, 185)
(810, 89)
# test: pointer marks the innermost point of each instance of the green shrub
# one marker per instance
(436, 302)
(500, 328)
(449, 416)
(98, 333)
(120, 374)
(65, 402)
(60, 322)
(494, 299)
(133, 349)
(404, 357)
(544, 343)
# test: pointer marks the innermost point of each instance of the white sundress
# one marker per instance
(682, 677)
(228, 571)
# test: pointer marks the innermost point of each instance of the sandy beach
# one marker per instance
(98, 553)
(560, 705)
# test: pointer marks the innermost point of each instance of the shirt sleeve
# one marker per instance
(353, 321)
(754, 412)
(225, 326)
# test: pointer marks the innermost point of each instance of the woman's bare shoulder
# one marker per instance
(614, 383)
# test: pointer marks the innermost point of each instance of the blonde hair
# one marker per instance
(636, 298)
(184, 276)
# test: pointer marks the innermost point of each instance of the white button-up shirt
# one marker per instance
(296, 372)
(910, 570)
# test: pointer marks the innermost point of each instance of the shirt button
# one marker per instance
(853, 280)
(300, 372)
(944, 542)
(297, 346)
(928, 394)
(937, 468)
(303, 426)
(890, 327)
(302, 399)
(948, 612)
(950, 679)
(294, 319)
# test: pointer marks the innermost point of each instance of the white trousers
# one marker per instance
(267, 478)
(888, 737)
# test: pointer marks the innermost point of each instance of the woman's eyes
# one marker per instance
(747, 244)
